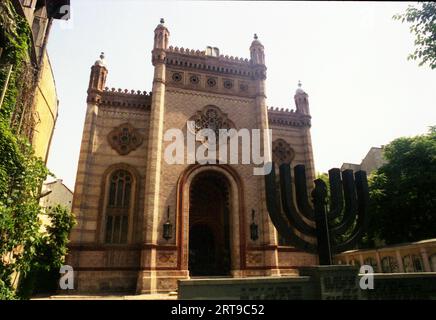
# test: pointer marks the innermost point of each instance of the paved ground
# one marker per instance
(171, 296)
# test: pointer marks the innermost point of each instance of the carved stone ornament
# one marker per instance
(228, 84)
(177, 77)
(124, 139)
(282, 152)
(211, 82)
(211, 117)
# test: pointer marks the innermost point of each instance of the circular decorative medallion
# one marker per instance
(177, 77)
(211, 82)
(211, 118)
(228, 84)
(282, 152)
(124, 139)
(194, 79)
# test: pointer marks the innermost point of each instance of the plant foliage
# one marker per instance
(423, 26)
(403, 193)
(23, 247)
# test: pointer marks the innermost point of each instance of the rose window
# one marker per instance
(211, 118)
(282, 152)
(125, 139)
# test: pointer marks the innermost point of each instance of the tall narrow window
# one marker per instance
(118, 207)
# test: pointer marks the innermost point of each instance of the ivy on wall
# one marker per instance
(16, 39)
(21, 176)
(22, 245)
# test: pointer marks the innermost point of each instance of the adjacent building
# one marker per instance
(372, 161)
(56, 193)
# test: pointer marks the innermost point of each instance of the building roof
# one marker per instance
(58, 181)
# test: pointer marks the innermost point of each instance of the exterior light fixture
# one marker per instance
(167, 227)
(254, 228)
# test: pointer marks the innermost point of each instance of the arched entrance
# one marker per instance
(209, 225)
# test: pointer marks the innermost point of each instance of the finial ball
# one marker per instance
(162, 20)
(255, 36)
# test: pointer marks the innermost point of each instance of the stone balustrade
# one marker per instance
(402, 258)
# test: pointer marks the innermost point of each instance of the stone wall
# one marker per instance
(314, 283)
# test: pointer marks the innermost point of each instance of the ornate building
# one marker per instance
(143, 223)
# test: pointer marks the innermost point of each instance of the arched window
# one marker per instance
(389, 265)
(118, 207)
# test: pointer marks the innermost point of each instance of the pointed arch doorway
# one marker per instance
(209, 225)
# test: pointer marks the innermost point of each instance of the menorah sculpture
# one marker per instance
(316, 229)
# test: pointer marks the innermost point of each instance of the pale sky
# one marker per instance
(351, 58)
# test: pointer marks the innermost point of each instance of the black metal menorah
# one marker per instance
(316, 228)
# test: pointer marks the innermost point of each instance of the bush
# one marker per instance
(49, 255)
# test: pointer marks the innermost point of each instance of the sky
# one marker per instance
(351, 58)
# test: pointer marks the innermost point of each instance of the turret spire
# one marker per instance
(101, 62)
(97, 78)
(257, 51)
(161, 36)
(301, 100)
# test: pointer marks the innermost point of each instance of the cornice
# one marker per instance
(121, 98)
(198, 60)
(288, 118)
(209, 95)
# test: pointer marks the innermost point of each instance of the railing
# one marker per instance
(402, 258)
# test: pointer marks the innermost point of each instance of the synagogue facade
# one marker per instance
(144, 223)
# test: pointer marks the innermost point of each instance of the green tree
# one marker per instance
(49, 254)
(403, 193)
(21, 176)
(423, 25)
